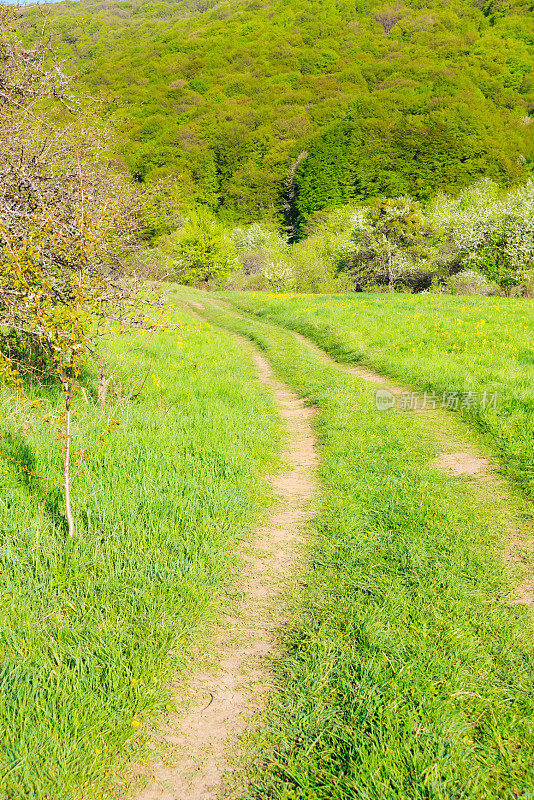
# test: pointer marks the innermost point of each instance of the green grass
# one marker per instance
(433, 342)
(92, 629)
(404, 673)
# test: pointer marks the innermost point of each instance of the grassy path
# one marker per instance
(462, 455)
(222, 697)
(468, 346)
(406, 671)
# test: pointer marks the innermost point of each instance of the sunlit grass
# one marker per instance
(433, 342)
(405, 674)
(93, 627)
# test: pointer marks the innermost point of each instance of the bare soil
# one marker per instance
(462, 464)
(222, 700)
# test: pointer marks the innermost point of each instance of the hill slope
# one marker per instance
(413, 97)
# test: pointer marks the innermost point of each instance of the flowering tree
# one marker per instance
(385, 242)
(264, 251)
(489, 231)
(64, 217)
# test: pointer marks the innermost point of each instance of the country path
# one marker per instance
(461, 457)
(203, 739)
(221, 701)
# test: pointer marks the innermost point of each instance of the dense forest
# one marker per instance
(262, 109)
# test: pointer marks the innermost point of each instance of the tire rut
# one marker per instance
(223, 700)
(460, 459)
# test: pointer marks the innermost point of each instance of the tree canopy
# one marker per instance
(381, 99)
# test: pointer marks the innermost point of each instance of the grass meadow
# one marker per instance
(433, 343)
(92, 628)
(404, 672)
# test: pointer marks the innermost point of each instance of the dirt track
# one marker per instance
(223, 700)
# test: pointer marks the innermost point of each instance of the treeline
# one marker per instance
(274, 110)
(480, 242)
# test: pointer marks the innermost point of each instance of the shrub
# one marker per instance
(470, 282)
(64, 217)
(489, 231)
(315, 263)
(526, 287)
(280, 277)
(202, 252)
(263, 255)
(384, 243)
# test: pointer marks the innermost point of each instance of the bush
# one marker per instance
(391, 242)
(316, 265)
(239, 282)
(470, 282)
(262, 260)
(201, 253)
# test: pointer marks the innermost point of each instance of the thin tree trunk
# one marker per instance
(66, 464)
(103, 382)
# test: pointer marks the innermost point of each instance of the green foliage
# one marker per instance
(202, 251)
(495, 262)
(397, 220)
(385, 102)
(392, 246)
(159, 210)
(399, 244)
(412, 154)
(63, 217)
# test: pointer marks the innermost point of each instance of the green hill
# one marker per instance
(271, 109)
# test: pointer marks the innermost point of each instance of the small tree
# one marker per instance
(64, 216)
(259, 248)
(203, 250)
(398, 231)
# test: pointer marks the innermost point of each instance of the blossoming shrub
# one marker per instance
(262, 259)
(470, 282)
(490, 232)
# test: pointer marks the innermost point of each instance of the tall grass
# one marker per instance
(404, 673)
(433, 342)
(91, 628)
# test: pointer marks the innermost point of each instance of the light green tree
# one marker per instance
(202, 252)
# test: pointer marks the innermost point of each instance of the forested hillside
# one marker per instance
(273, 109)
